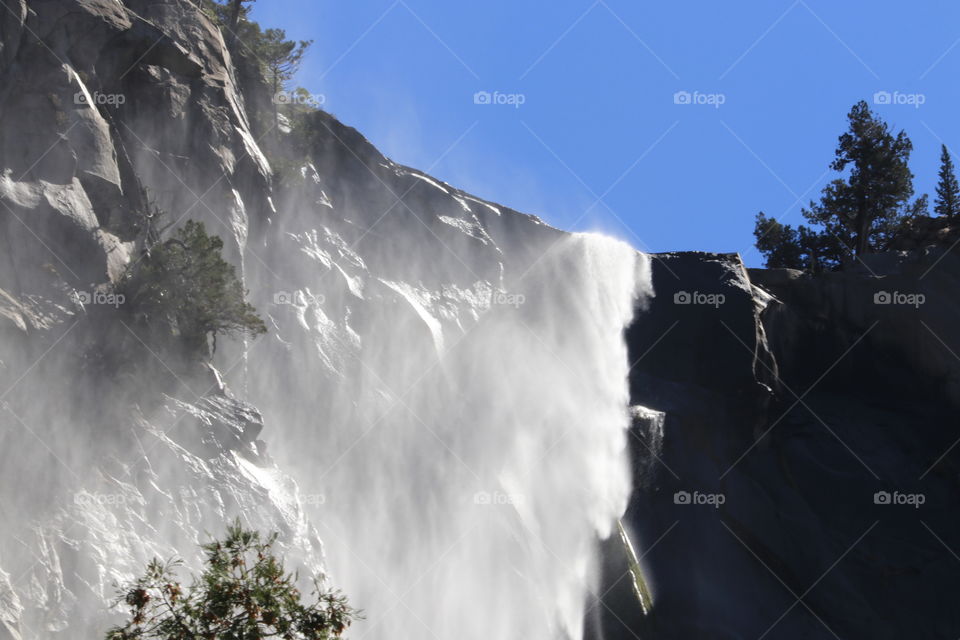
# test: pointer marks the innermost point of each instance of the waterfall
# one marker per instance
(436, 418)
(460, 447)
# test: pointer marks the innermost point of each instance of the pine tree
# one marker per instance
(783, 246)
(875, 196)
(860, 212)
(281, 59)
(243, 593)
(947, 203)
(237, 11)
(185, 284)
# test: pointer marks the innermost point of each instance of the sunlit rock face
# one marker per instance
(464, 423)
(103, 99)
(110, 110)
(455, 402)
(442, 397)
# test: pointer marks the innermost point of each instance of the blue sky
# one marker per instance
(599, 141)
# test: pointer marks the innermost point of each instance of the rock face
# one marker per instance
(803, 481)
(110, 110)
(444, 386)
(906, 301)
(471, 340)
(102, 99)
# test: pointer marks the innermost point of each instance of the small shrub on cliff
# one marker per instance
(185, 288)
(243, 593)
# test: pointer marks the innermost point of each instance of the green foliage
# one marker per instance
(278, 58)
(947, 203)
(783, 246)
(235, 11)
(228, 14)
(860, 213)
(779, 243)
(185, 285)
(281, 57)
(863, 210)
(265, 62)
(243, 593)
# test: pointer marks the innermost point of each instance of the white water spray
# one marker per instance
(472, 447)
(444, 379)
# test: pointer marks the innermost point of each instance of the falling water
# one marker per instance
(443, 386)
(459, 448)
